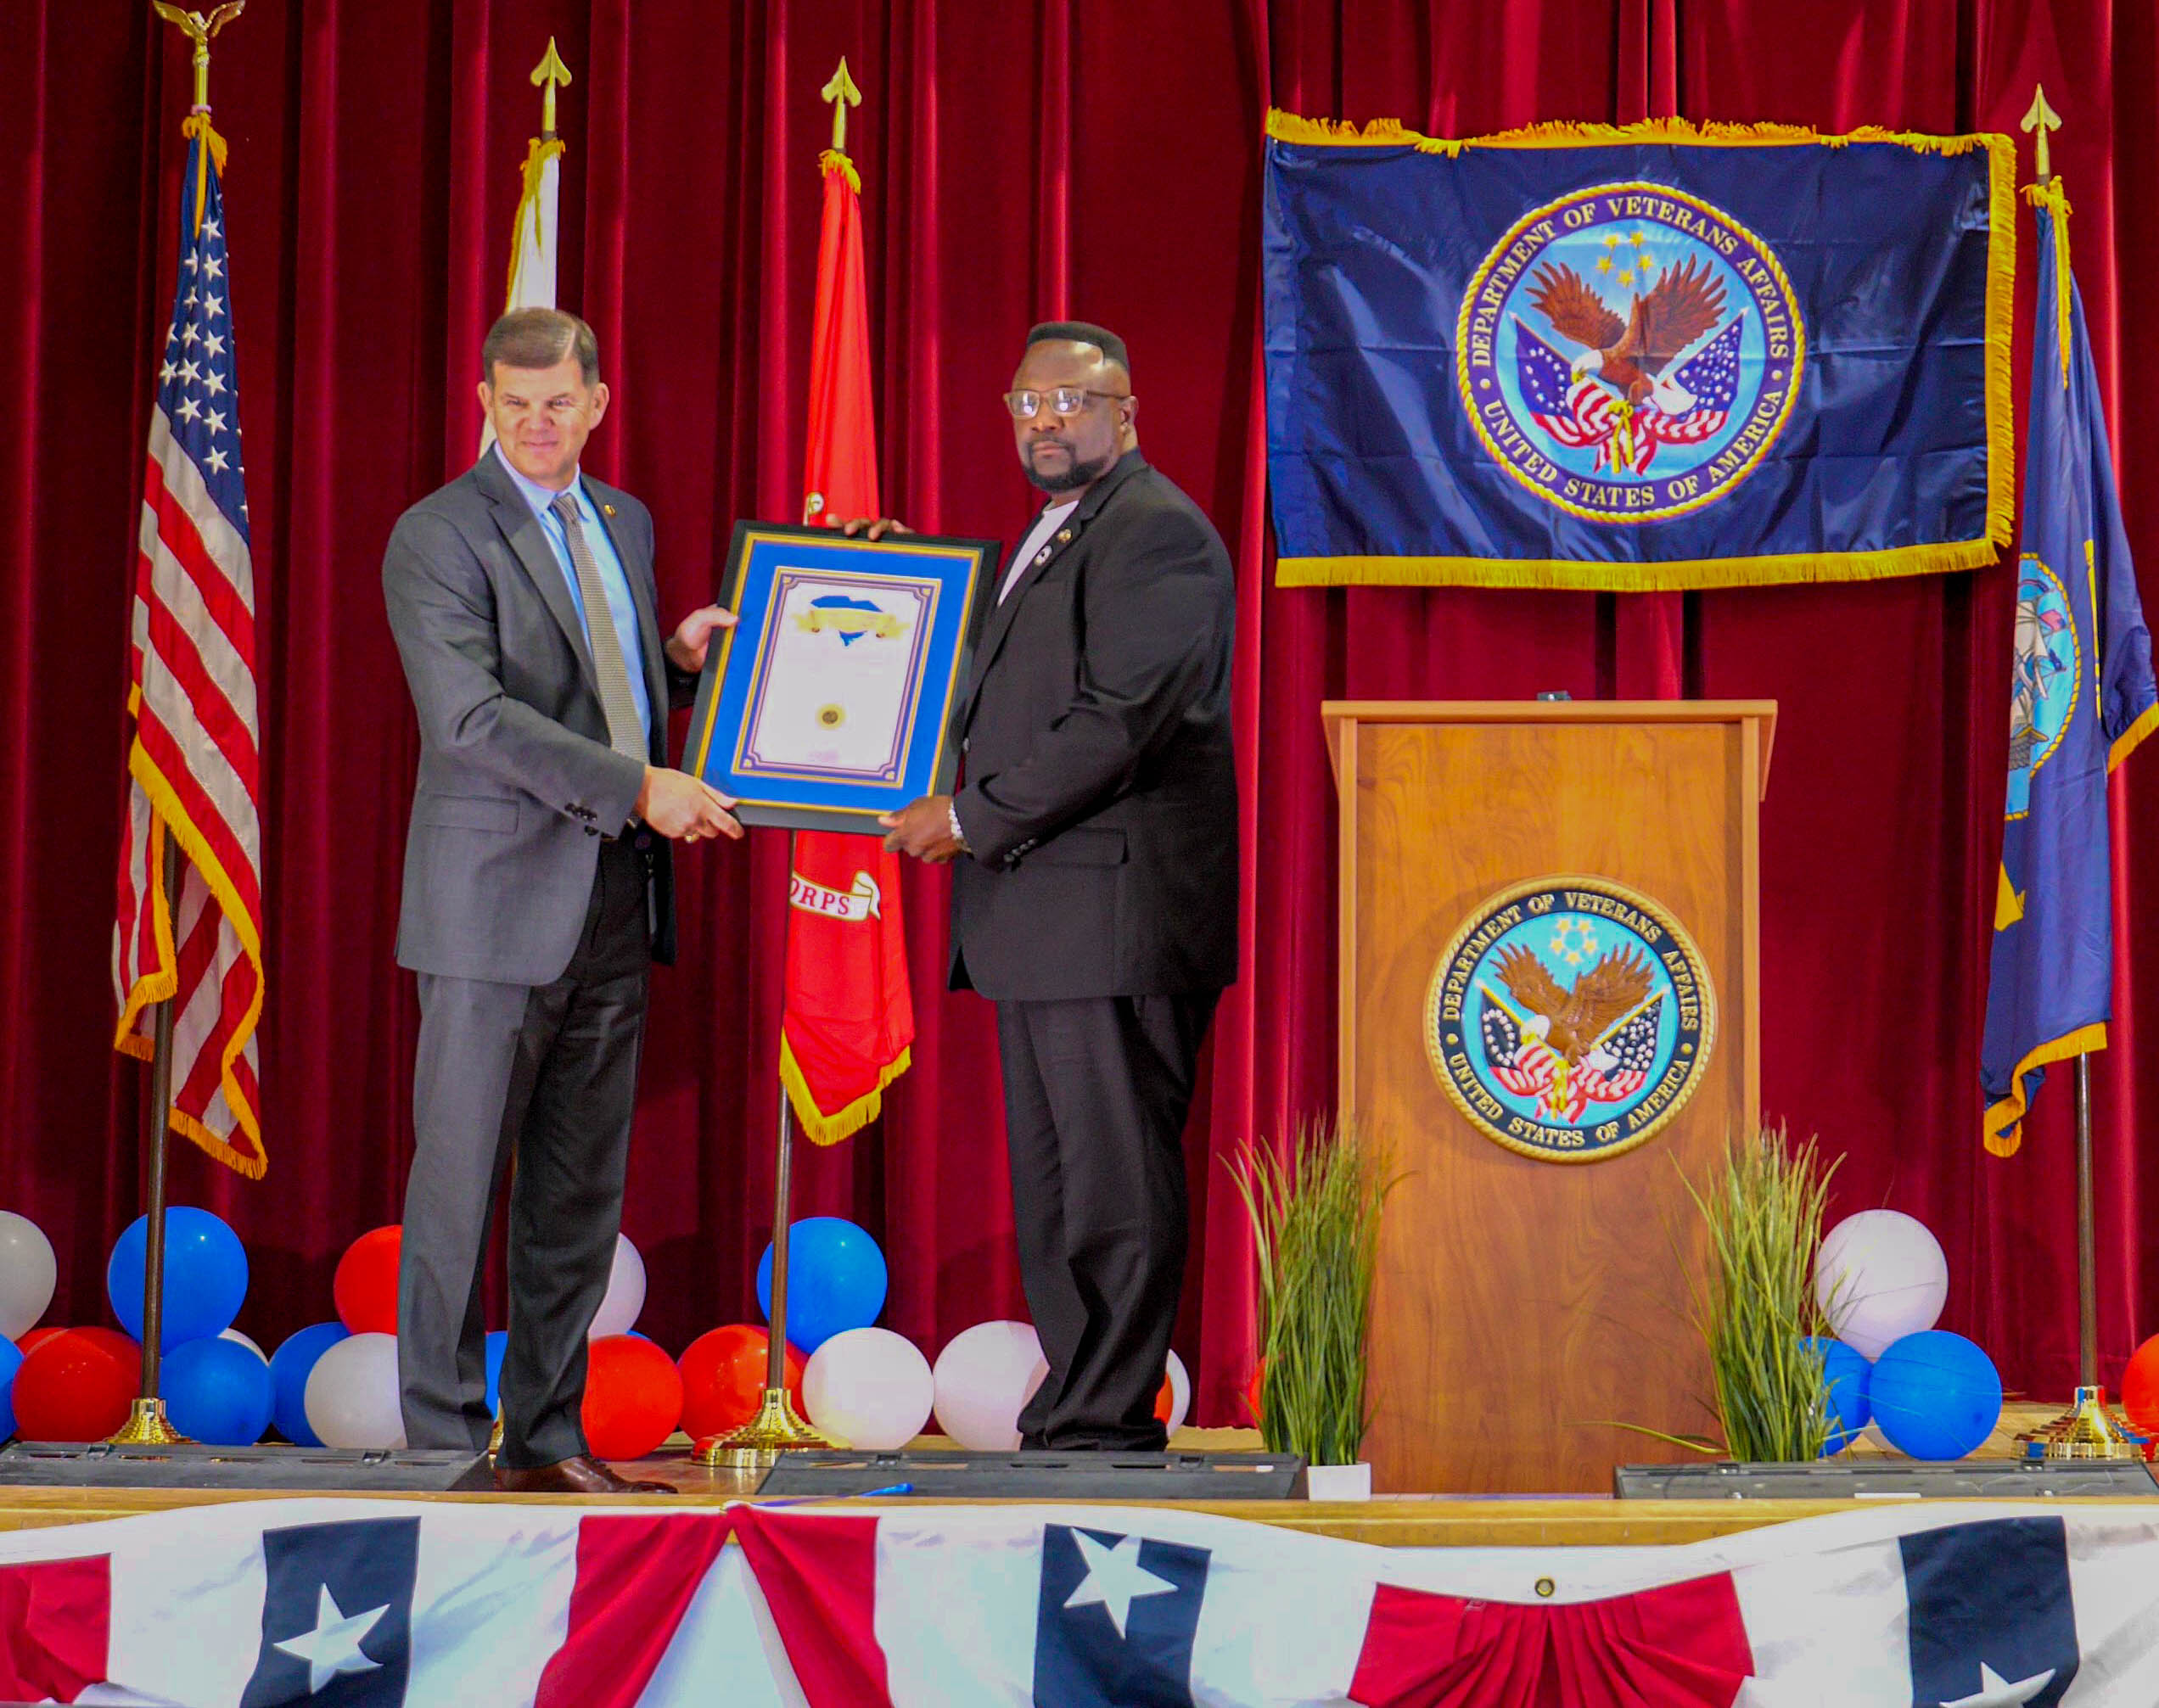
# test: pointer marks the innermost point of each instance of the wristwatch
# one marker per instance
(952, 820)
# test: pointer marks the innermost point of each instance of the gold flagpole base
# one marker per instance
(2089, 1429)
(147, 1426)
(758, 1444)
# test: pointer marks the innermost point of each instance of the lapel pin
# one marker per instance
(607, 509)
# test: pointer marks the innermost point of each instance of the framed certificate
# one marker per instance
(836, 695)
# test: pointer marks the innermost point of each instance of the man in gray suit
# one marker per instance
(538, 891)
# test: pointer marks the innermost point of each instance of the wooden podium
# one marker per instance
(1525, 1305)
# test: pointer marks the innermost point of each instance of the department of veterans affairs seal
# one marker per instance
(1570, 1018)
(1629, 352)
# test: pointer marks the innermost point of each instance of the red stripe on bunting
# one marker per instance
(635, 1579)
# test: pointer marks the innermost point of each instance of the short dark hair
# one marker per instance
(1078, 332)
(539, 338)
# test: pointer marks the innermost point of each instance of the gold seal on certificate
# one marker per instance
(832, 698)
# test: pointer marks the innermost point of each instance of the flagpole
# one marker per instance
(2087, 1236)
(147, 1425)
(777, 1428)
(2089, 1428)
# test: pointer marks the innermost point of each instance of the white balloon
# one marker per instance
(235, 1335)
(27, 1274)
(1879, 1275)
(352, 1393)
(984, 1376)
(625, 1293)
(1180, 1393)
(869, 1387)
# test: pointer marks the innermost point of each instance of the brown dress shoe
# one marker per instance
(583, 1475)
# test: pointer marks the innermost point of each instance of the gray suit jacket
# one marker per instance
(516, 781)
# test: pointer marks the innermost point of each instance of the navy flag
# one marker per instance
(2081, 697)
(1650, 357)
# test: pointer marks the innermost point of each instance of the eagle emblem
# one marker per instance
(1643, 347)
(1570, 1018)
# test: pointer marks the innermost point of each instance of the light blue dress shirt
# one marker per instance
(621, 606)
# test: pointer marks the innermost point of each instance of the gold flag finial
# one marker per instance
(550, 74)
(843, 94)
(2039, 119)
(201, 31)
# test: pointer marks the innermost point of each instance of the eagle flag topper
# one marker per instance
(1650, 357)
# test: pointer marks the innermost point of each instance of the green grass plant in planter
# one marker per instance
(1315, 1228)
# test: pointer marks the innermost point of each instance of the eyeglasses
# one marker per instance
(1063, 400)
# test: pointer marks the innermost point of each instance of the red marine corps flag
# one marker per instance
(194, 765)
(847, 1017)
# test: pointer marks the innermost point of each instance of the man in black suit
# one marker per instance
(1097, 904)
(538, 893)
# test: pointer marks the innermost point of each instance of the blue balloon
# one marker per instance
(836, 1281)
(217, 1393)
(1935, 1395)
(205, 1276)
(1846, 1374)
(290, 1366)
(11, 1360)
(498, 1341)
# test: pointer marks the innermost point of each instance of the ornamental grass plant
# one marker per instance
(1315, 1228)
(1756, 1307)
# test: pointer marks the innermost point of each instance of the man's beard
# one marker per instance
(1076, 474)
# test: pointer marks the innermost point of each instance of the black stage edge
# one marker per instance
(292, 1470)
(1892, 1479)
(1081, 1476)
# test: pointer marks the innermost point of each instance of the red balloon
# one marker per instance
(1253, 1387)
(35, 1338)
(633, 1396)
(79, 1385)
(366, 1288)
(1166, 1401)
(723, 1379)
(2140, 1386)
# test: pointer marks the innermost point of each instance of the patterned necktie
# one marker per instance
(626, 728)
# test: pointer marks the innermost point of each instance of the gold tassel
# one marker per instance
(832, 161)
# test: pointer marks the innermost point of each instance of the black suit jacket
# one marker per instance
(517, 783)
(1100, 799)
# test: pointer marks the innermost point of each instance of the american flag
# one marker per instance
(195, 765)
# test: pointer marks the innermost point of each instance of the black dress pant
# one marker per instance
(547, 1073)
(1096, 1090)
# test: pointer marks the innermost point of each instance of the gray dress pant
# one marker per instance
(1096, 1090)
(546, 1074)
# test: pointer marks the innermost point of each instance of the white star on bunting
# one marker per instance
(1115, 1578)
(217, 461)
(333, 1645)
(1996, 1692)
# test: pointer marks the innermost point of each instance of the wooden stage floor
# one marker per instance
(1428, 1521)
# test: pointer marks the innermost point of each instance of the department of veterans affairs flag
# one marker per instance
(382, 1603)
(1650, 357)
(2082, 696)
(195, 765)
(847, 1019)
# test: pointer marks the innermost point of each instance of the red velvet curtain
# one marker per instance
(1019, 161)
